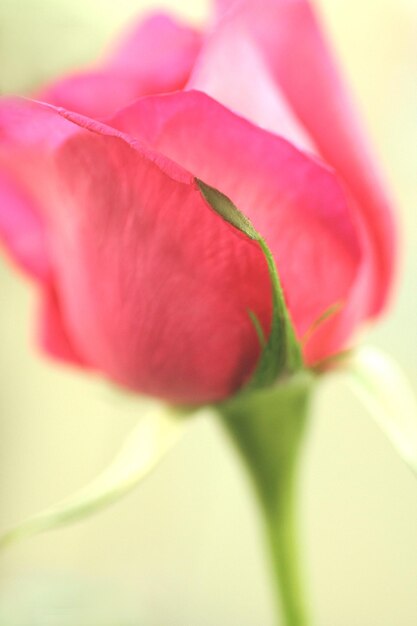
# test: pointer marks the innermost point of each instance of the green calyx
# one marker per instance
(281, 352)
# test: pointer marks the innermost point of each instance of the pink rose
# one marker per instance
(139, 277)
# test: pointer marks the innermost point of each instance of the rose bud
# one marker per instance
(141, 278)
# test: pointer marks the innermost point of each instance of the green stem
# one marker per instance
(281, 527)
(267, 427)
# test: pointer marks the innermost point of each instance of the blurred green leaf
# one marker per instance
(153, 437)
(381, 385)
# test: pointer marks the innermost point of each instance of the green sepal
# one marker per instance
(281, 354)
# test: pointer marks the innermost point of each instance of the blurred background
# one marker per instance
(186, 548)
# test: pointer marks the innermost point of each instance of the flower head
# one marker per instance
(140, 278)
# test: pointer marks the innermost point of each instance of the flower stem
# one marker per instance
(267, 427)
(282, 536)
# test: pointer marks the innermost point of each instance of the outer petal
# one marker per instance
(21, 228)
(156, 57)
(52, 332)
(154, 287)
(292, 200)
(289, 37)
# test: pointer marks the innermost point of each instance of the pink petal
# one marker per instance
(154, 286)
(288, 35)
(156, 57)
(21, 229)
(52, 333)
(97, 93)
(292, 200)
(160, 47)
(248, 89)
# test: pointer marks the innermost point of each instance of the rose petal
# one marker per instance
(293, 201)
(97, 93)
(154, 286)
(288, 35)
(156, 57)
(248, 88)
(21, 229)
(161, 48)
(52, 332)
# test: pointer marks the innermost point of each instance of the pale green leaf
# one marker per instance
(152, 438)
(380, 383)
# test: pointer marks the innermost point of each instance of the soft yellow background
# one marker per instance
(185, 549)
